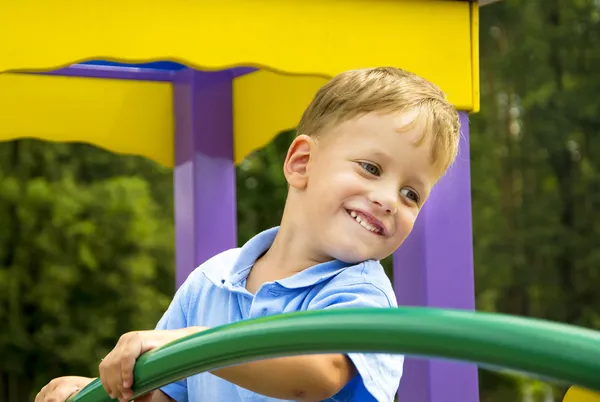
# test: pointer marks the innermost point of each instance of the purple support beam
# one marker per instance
(239, 71)
(128, 73)
(434, 268)
(114, 72)
(205, 203)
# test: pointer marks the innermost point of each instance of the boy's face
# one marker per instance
(365, 181)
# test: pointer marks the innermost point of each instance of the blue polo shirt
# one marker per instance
(214, 294)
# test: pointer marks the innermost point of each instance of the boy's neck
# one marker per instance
(291, 252)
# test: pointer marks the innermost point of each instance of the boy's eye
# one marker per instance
(369, 167)
(410, 194)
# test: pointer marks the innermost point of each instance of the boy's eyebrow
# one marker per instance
(419, 182)
(381, 155)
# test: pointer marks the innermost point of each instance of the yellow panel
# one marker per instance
(576, 394)
(429, 37)
(266, 103)
(132, 117)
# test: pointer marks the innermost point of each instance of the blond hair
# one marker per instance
(386, 89)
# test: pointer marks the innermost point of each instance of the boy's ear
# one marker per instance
(295, 167)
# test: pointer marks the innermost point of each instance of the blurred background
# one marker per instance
(87, 236)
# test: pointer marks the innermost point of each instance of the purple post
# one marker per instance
(205, 204)
(113, 72)
(434, 268)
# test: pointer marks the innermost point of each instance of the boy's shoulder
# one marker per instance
(363, 282)
(216, 265)
(365, 272)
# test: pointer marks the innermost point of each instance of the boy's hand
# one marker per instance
(59, 389)
(116, 369)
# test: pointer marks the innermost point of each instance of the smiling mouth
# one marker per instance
(363, 221)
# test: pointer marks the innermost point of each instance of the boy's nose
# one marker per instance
(385, 203)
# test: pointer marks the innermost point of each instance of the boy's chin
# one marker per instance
(355, 256)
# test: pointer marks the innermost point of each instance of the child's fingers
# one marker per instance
(41, 396)
(55, 391)
(64, 393)
(130, 352)
(110, 374)
(102, 368)
(48, 390)
(116, 370)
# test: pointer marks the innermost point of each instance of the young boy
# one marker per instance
(369, 149)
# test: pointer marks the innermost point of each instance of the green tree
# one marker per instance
(85, 255)
(535, 153)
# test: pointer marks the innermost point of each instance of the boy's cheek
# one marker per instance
(346, 185)
(405, 225)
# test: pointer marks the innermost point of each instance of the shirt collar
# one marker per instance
(253, 249)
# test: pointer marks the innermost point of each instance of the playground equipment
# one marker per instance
(555, 351)
(198, 85)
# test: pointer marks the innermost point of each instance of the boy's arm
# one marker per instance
(302, 378)
(159, 396)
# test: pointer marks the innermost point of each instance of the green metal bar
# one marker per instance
(551, 350)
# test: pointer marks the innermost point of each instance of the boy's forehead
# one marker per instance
(377, 121)
(398, 127)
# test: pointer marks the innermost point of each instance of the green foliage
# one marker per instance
(535, 153)
(82, 260)
(261, 188)
(535, 157)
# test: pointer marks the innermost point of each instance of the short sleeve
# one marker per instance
(175, 318)
(379, 374)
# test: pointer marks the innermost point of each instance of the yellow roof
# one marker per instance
(297, 45)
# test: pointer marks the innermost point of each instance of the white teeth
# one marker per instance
(364, 223)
